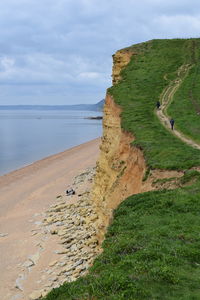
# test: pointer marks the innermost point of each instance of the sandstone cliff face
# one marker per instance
(120, 168)
(120, 59)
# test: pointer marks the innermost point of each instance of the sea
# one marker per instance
(30, 135)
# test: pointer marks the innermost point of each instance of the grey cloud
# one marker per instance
(60, 51)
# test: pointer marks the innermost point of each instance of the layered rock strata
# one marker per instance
(120, 168)
(120, 59)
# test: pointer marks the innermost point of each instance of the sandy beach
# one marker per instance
(25, 196)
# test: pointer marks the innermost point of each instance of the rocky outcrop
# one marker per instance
(120, 59)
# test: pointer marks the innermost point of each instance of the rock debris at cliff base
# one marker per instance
(75, 225)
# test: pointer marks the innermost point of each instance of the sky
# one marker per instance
(60, 51)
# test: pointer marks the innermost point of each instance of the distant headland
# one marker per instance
(90, 107)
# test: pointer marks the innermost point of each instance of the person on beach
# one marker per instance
(172, 123)
(158, 104)
(70, 192)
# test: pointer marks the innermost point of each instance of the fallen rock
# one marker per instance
(64, 251)
(74, 248)
(35, 295)
(79, 262)
(53, 230)
(48, 285)
(3, 234)
(34, 258)
(18, 284)
(55, 278)
(53, 263)
(34, 233)
(62, 263)
(76, 226)
(29, 263)
(62, 232)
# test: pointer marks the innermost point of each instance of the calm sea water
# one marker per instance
(27, 136)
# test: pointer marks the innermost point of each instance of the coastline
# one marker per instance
(22, 171)
(26, 195)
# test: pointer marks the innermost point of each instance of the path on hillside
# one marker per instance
(167, 97)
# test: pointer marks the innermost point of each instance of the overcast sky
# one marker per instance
(60, 51)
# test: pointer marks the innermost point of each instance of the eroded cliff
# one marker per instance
(120, 59)
(121, 167)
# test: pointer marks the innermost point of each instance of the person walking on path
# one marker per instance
(158, 104)
(172, 123)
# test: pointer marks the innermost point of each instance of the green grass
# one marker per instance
(185, 107)
(189, 176)
(151, 251)
(141, 85)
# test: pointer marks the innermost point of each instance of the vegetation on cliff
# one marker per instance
(143, 80)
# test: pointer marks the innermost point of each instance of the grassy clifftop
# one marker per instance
(152, 248)
(143, 80)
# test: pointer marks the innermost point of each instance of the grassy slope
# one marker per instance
(142, 84)
(185, 107)
(151, 250)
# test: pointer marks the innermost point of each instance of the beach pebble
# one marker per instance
(35, 295)
(34, 233)
(54, 230)
(34, 258)
(53, 263)
(55, 278)
(18, 283)
(62, 232)
(48, 284)
(28, 263)
(3, 234)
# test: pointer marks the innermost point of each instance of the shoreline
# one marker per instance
(43, 161)
(26, 196)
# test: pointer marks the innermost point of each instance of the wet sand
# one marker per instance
(25, 195)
